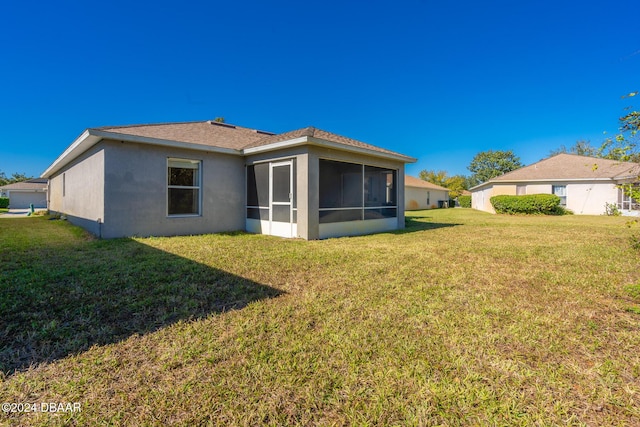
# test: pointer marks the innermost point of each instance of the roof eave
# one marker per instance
(307, 140)
(85, 141)
(426, 188)
(516, 181)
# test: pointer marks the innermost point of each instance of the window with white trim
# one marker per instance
(625, 199)
(183, 187)
(560, 191)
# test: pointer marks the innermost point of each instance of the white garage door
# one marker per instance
(20, 200)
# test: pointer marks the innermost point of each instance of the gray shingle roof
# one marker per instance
(26, 185)
(410, 181)
(209, 133)
(572, 167)
(223, 135)
(313, 132)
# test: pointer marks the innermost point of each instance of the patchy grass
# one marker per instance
(463, 318)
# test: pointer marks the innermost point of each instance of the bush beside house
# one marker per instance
(547, 204)
(4, 202)
(464, 201)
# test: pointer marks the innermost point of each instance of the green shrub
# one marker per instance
(611, 209)
(4, 202)
(547, 204)
(561, 210)
(465, 201)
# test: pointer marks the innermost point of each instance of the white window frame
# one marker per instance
(627, 202)
(194, 187)
(563, 196)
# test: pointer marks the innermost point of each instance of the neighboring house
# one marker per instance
(585, 185)
(206, 177)
(420, 194)
(26, 193)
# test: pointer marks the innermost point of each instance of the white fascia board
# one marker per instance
(427, 188)
(79, 146)
(329, 144)
(480, 185)
(517, 181)
(627, 178)
(361, 150)
(549, 180)
(277, 145)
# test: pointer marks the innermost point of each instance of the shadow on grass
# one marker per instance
(420, 223)
(60, 299)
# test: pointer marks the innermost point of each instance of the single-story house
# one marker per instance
(585, 185)
(26, 193)
(207, 177)
(420, 194)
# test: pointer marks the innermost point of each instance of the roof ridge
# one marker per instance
(308, 131)
(212, 122)
(148, 124)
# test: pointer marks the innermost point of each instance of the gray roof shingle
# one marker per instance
(572, 167)
(209, 133)
(410, 181)
(223, 135)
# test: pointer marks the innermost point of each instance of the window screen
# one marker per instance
(356, 192)
(340, 184)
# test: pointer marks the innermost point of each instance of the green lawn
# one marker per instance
(464, 318)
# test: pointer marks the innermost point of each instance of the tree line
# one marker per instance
(15, 177)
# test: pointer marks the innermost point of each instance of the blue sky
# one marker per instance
(436, 80)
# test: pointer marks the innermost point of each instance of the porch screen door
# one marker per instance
(280, 199)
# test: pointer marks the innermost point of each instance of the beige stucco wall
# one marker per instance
(481, 198)
(416, 198)
(583, 198)
(589, 198)
(537, 188)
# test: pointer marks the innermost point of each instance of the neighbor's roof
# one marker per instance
(410, 181)
(570, 167)
(214, 136)
(28, 185)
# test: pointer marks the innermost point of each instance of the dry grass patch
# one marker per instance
(463, 319)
